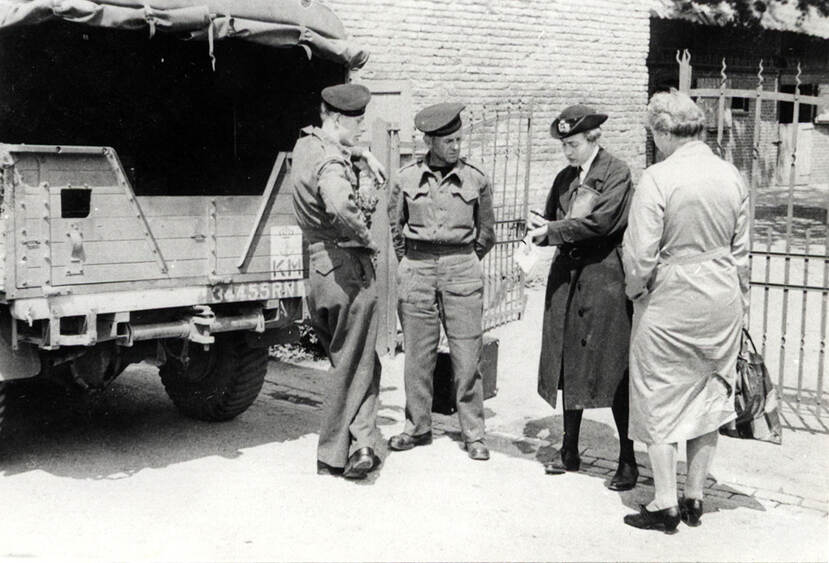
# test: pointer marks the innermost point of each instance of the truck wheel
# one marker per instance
(215, 384)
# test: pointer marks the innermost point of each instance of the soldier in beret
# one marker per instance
(442, 224)
(341, 289)
(587, 317)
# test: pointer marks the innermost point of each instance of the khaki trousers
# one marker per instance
(446, 288)
(342, 300)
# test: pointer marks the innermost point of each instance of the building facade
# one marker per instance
(611, 55)
(786, 58)
(488, 52)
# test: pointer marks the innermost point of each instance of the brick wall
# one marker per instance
(551, 52)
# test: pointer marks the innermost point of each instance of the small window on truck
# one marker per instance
(74, 203)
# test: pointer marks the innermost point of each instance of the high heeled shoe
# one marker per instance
(690, 510)
(569, 461)
(665, 520)
(625, 477)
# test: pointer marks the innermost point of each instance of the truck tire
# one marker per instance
(217, 384)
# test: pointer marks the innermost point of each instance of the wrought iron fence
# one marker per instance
(789, 253)
(500, 141)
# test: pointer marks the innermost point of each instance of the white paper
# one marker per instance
(527, 256)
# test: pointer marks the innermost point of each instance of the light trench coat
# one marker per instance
(685, 255)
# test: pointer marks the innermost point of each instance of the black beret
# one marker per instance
(347, 99)
(576, 119)
(440, 119)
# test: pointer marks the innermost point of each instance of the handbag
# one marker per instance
(755, 398)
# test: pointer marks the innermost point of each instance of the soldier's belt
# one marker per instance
(438, 247)
(343, 244)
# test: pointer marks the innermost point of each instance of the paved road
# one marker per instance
(124, 477)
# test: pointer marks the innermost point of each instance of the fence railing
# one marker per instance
(789, 252)
(500, 141)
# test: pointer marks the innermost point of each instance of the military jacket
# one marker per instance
(455, 209)
(323, 191)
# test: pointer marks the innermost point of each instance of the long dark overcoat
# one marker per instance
(587, 317)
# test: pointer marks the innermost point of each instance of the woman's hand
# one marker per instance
(538, 234)
(536, 219)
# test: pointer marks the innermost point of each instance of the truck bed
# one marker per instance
(74, 229)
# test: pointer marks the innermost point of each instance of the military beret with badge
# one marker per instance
(576, 119)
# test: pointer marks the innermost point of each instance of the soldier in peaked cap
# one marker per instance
(341, 289)
(442, 224)
(587, 317)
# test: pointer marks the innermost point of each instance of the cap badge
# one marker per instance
(563, 127)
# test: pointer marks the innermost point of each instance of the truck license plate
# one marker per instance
(256, 291)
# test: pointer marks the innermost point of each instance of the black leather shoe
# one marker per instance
(570, 461)
(325, 469)
(690, 510)
(477, 450)
(359, 464)
(625, 477)
(403, 442)
(665, 520)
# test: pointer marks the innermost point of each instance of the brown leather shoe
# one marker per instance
(625, 477)
(477, 450)
(403, 441)
(359, 464)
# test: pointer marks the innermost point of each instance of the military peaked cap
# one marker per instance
(440, 119)
(347, 99)
(576, 119)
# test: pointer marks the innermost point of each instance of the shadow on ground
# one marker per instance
(599, 451)
(133, 426)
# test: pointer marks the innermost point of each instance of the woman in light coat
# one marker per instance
(686, 270)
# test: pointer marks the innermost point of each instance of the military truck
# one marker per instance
(144, 208)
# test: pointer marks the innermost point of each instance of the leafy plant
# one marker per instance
(749, 13)
(308, 347)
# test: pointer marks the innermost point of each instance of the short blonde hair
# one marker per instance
(675, 113)
(593, 135)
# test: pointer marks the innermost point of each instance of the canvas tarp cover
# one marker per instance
(277, 23)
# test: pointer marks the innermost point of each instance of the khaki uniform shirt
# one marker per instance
(453, 210)
(323, 182)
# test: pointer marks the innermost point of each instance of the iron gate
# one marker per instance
(499, 140)
(501, 143)
(789, 243)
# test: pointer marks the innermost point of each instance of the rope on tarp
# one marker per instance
(317, 32)
(148, 15)
(304, 38)
(210, 42)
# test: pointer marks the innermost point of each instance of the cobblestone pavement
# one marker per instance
(738, 494)
(595, 461)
